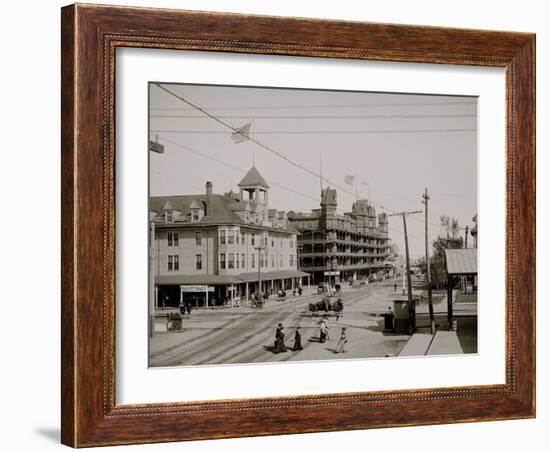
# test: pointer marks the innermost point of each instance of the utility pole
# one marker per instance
(466, 230)
(412, 307)
(425, 199)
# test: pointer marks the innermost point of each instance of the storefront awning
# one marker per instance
(226, 279)
(196, 279)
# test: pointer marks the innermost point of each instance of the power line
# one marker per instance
(313, 132)
(282, 107)
(259, 143)
(253, 139)
(315, 116)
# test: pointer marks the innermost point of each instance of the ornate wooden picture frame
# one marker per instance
(90, 37)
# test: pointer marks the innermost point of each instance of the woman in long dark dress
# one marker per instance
(297, 340)
(279, 345)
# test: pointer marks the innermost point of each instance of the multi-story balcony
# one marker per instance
(343, 254)
(340, 241)
(316, 268)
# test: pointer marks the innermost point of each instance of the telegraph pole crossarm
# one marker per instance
(412, 307)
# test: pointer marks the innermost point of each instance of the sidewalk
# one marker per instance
(444, 342)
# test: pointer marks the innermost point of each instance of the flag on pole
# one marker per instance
(242, 133)
(350, 180)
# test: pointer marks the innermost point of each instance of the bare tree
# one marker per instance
(450, 225)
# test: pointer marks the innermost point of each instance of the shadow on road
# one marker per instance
(271, 349)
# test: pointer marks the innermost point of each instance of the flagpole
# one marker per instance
(253, 143)
(321, 171)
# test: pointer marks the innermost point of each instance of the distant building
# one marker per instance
(205, 247)
(353, 245)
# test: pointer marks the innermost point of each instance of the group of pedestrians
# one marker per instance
(279, 344)
(185, 307)
(324, 336)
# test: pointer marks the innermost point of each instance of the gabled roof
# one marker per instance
(221, 211)
(461, 261)
(168, 206)
(196, 205)
(253, 179)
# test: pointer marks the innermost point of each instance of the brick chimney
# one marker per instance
(208, 198)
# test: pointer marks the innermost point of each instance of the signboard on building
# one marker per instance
(333, 273)
(197, 289)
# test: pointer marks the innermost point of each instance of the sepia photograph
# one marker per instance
(291, 224)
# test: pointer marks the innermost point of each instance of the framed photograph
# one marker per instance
(272, 225)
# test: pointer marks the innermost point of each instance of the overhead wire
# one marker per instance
(218, 119)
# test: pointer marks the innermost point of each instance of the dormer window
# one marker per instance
(169, 218)
(197, 209)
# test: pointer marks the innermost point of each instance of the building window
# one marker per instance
(243, 263)
(252, 261)
(173, 239)
(280, 260)
(273, 261)
(252, 239)
(222, 261)
(173, 263)
(242, 239)
(198, 238)
(291, 260)
(291, 242)
(230, 237)
(222, 237)
(198, 261)
(231, 260)
(169, 217)
(194, 215)
(272, 243)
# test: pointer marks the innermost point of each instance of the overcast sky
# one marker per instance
(397, 143)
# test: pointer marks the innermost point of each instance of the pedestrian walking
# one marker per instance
(323, 331)
(342, 343)
(300, 291)
(279, 345)
(188, 307)
(182, 308)
(297, 340)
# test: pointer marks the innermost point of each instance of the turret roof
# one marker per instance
(253, 178)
